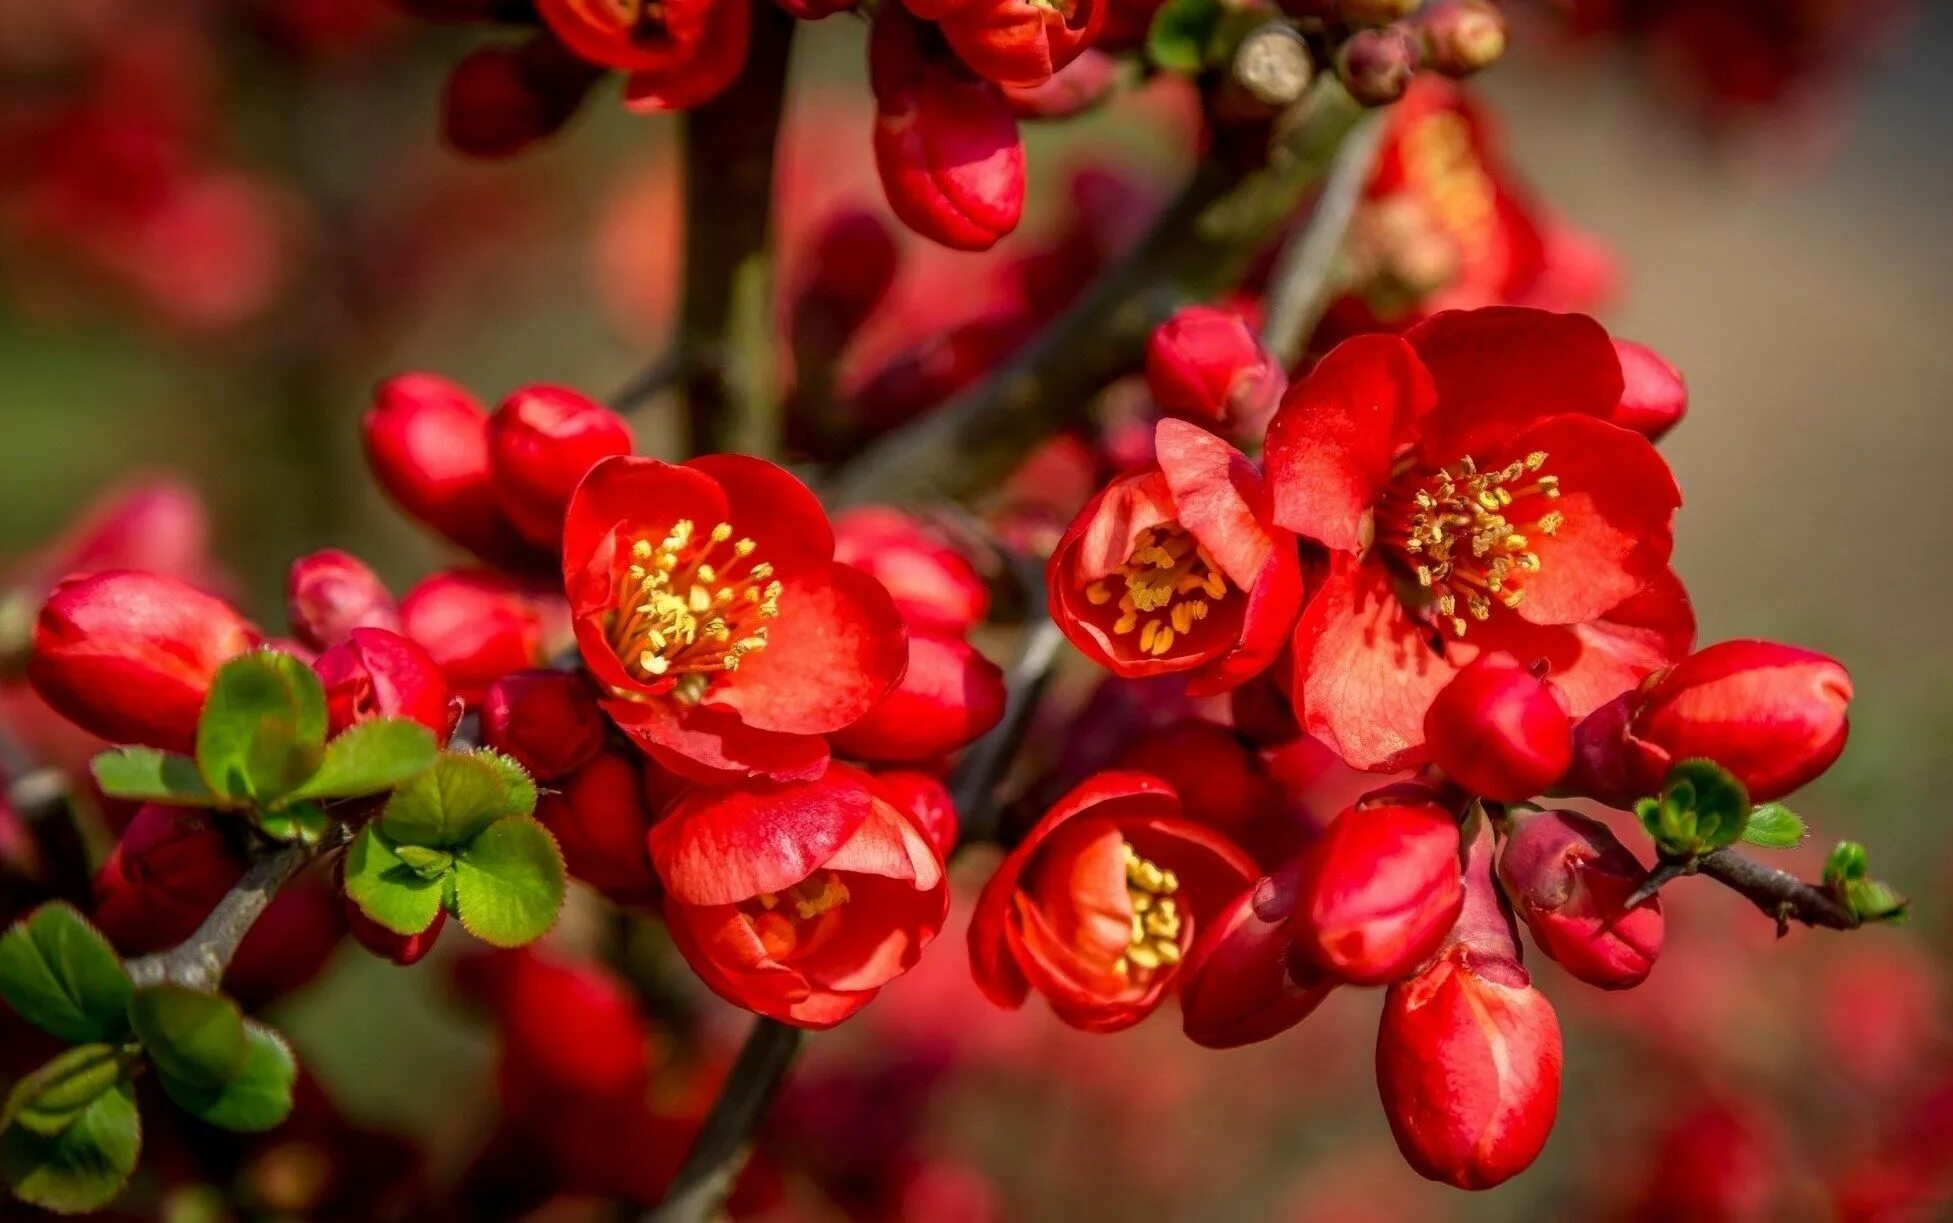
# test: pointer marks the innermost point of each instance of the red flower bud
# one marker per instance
(572, 1028)
(480, 626)
(1015, 42)
(1569, 879)
(1379, 892)
(1468, 1052)
(1499, 731)
(630, 39)
(1655, 397)
(946, 145)
(1460, 37)
(541, 442)
(925, 800)
(163, 877)
(427, 442)
(848, 274)
(329, 594)
(378, 674)
(801, 900)
(1206, 366)
(950, 695)
(501, 100)
(129, 656)
(599, 819)
(934, 586)
(1376, 66)
(406, 950)
(1098, 906)
(1773, 715)
(547, 720)
(1240, 986)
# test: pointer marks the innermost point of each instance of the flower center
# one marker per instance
(690, 606)
(800, 917)
(1465, 532)
(1155, 917)
(1447, 172)
(1167, 573)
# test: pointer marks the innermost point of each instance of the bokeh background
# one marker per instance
(1799, 270)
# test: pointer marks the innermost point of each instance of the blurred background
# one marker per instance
(215, 237)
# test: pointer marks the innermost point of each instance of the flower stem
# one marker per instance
(699, 1191)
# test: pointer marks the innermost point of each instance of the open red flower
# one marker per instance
(631, 35)
(1015, 42)
(1473, 498)
(1099, 905)
(1178, 567)
(709, 607)
(799, 900)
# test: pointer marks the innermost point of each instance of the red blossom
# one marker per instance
(925, 800)
(427, 442)
(708, 607)
(599, 819)
(378, 674)
(798, 900)
(703, 72)
(631, 35)
(480, 626)
(1654, 396)
(933, 585)
(1015, 42)
(1241, 984)
(1569, 879)
(128, 655)
(949, 696)
(1098, 906)
(1473, 497)
(328, 594)
(1378, 893)
(1178, 567)
(1499, 731)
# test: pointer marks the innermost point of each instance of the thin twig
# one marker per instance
(200, 960)
(659, 376)
(1304, 280)
(1778, 894)
(699, 1191)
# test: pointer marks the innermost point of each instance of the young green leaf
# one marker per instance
(263, 728)
(145, 775)
(1720, 804)
(1177, 40)
(256, 1098)
(387, 888)
(509, 883)
(53, 1097)
(449, 804)
(60, 975)
(521, 787)
(369, 757)
(84, 1166)
(196, 1039)
(1847, 875)
(1774, 826)
(299, 822)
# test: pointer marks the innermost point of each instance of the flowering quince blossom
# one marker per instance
(1472, 496)
(708, 606)
(1015, 42)
(798, 900)
(1179, 568)
(1098, 906)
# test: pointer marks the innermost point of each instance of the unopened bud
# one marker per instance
(1654, 397)
(1376, 66)
(1499, 731)
(1569, 878)
(1378, 893)
(501, 100)
(1460, 37)
(330, 593)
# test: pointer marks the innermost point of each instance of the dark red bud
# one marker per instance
(427, 442)
(541, 442)
(378, 674)
(1655, 397)
(329, 594)
(502, 100)
(1499, 731)
(1376, 66)
(1240, 985)
(405, 950)
(600, 821)
(1569, 878)
(548, 721)
(1205, 365)
(848, 274)
(164, 876)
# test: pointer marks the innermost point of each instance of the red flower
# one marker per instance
(406, 950)
(949, 696)
(708, 606)
(1499, 731)
(1100, 903)
(329, 594)
(946, 143)
(1177, 567)
(129, 656)
(541, 442)
(1379, 892)
(1473, 497)
(705, 70)
(599, 820)
(1569, 878)
(1241, 984)
(548, 721)
(925, 800)
(798, 900)
(480, 626)
(1230, 788)
(377, 674)
(1015, 42)
(631, 35)
(1205, 365)
(933, 585)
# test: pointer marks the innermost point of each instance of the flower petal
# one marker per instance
(764, 502)
(1217, 495)
(1499, 369)
(719, 847)
(621, 498)
(713, 746)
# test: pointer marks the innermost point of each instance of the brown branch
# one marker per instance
(1304, 279)
(699, 1191)
(1202, 246)
(1779, 894)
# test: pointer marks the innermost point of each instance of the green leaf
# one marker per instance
(1846, 874)
(387, 888)
(521, 787)
(509, 883)
(258, 1097)
(194, 1038)
(61, 975)
(84, 1166)
(1847, 862)
(1774, 826)
(449, 804)
(299, 822)
(370, 757)
(263, 728)
(1718, 800)
(1177, 40)
(425, 862)
(52, 1098)
(145, 775)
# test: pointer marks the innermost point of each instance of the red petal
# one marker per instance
(1100, 539)
(719, 847)
(1590, 664)
(838, 646)
(1331, 444)
(1216, 495)
(712, 745)
(1499, 369)
(887, 924)
(764, 502)
(1619, 499)
(1365, 671)
(714, 64)
(720, 945)
(1273, 604)
(621, 498)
